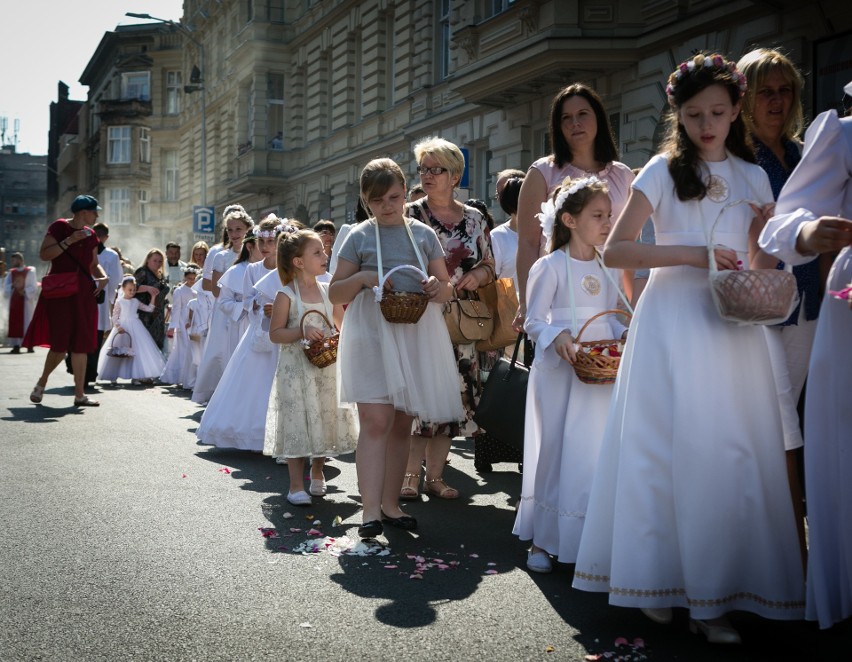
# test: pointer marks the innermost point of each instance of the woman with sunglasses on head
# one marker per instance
(465, 239)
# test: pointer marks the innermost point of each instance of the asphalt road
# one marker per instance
(121, 538)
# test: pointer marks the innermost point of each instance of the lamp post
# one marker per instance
(197, 85)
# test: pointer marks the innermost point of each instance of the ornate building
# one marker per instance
(300, 94)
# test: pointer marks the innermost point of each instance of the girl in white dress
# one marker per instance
(141, 359)
(236, 414)
(304, 419)
(178, 360)
(228, 322)
(393, 372)
(690, 505)
(565, 417)
(814, 215)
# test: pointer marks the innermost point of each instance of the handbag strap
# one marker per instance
(607, 273)
(76, 261)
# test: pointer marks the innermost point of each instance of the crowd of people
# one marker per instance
(676, 486)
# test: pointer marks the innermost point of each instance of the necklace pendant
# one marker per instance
(718, 189)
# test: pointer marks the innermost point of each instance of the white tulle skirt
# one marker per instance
(146, 362)
(410, 366)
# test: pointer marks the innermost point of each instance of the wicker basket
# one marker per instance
(401, 307)
(754, 296)
(121, 346)
(595, 368)
(321, 353)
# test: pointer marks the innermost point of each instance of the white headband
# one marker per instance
(549, 209)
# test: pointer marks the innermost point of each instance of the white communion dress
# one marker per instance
(236, 414)
(179, 357)
(142, 358)
(565, 417)
(690, 504)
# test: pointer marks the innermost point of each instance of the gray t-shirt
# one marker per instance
(360, 248)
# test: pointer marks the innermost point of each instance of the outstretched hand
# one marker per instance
(824, 235)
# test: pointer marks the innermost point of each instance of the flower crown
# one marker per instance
(549, 208)
(191, 270)
(714, 61)
(274, 232)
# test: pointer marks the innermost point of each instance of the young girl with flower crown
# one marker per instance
(303, 419)
(236, 414)
(129, 352)
(393, 372)
(180, 358)
(690, 505)
(565, 417)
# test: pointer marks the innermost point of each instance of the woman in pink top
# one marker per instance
(583, 145)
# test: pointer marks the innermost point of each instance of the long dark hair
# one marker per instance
(685, 165)
(605, 149)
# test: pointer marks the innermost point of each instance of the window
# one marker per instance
(174, 86)
(118, 206)
(170, 175)
(118, 139)
(143, 206)
(444, 38)
(390, 60)
(144, 145)
(275, 111)
(494, 7)
(275, 9)
(136, 85)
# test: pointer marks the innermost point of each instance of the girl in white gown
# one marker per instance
(227, 324)
(140, 357)
(690, 505)
(565, 417)
(236, 414)
(393, 372)
(814, 215)
(304, 419)
(179, 357)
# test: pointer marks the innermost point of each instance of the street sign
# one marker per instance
(203, 219)
(465, 178)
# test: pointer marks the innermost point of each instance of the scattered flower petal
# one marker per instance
(305, 625)
(416, 575)
(621, 641)
(314, 532)
(268, 532)
(293, 530)
(490, 572)
(491, 563)
(474, 556)
(338, 520)
(224, 470)
(391, 567)
(549, 649)
(317, 522)
(287, 515)
(183, 475)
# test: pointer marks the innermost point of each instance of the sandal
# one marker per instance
(410, 487)
(86, 402)
(445, 492)
(37, 394)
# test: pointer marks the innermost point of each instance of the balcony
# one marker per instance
(111, 110)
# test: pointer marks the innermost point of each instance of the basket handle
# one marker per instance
(314, 312)
(379, 289)
(594, 317)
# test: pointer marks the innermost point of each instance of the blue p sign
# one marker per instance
(203, 219)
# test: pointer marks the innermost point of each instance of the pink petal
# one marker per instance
(391, 567)
(490, 572)
(415, 576)
(442, 566)
(639, 643)
(295, 530)
(224, 470)
(183, 475)
(314, 532)
(621, 641)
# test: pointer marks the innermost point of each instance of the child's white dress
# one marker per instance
(565, 418)
(411, 366)
(236, 414)
(690, 504)
(146, 360)
(822, 186)
(227, 326)
(174, 370)
(303, 419)
(201, 309)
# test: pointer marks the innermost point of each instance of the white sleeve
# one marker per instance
(541, 292)
(116, 312)
(7, 284)
(819, 186)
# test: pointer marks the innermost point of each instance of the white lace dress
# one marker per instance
(303, 419)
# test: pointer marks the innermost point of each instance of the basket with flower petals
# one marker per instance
(598, 360)
(321, 353)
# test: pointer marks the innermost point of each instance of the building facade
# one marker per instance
(300, 94)
(23, 191)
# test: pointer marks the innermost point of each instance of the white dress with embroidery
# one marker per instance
(303, 419)
(565, 418)
(690, 504)
(145, 360)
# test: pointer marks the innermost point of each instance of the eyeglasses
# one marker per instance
(437, 170)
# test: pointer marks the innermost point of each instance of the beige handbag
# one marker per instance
(468, 319)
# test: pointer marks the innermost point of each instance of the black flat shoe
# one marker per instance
(370, 529)
(406, 522)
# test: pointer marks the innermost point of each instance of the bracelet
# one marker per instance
(60, 245)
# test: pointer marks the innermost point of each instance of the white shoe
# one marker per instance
(720, 633)
(318, 487)
(300, 498)
(661, 615)
(539, 561)
(280, 460)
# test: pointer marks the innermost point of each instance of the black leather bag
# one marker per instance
(502, 405)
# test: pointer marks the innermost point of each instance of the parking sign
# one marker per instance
(203, 219)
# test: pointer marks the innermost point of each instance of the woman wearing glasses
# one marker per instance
(582, 142)
(467, 246)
